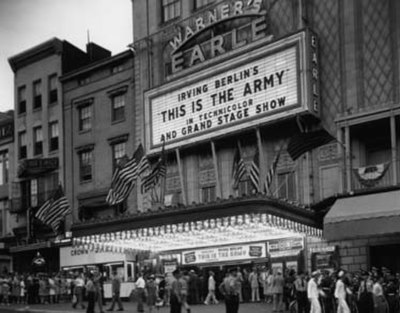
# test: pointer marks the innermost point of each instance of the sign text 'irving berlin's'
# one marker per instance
(250, 91)
(250, 25)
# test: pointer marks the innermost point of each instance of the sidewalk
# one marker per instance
(130, 307)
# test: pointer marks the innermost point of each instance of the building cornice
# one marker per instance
(36, 53)
(178, 214)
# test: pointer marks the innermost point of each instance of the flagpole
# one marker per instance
(261, 155)
(239, 146)
(178, 159)
(28, 224)
(216, 172)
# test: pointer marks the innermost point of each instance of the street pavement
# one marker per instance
(130, 307)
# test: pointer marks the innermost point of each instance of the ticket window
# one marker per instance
(112, 268)
(130, 271)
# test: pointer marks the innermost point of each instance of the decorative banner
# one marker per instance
(369, 176)
(285, 247)
(223, 254)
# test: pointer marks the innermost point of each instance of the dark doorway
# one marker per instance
(387, 256)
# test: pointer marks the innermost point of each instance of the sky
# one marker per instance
(27, 23)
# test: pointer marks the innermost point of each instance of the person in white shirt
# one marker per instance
(340, 294)
(211, 289)
(313, 293)
(140, 285)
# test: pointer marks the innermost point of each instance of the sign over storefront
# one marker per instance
(224, 254)
(285, 247)
(73, 256)
(263, 85)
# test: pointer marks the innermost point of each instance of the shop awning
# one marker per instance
(364, 215)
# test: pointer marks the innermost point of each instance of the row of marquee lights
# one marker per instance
(189, 235)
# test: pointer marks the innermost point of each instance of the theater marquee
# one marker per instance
(266, 84)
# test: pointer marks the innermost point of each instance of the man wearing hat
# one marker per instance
(340, 294)
(313, 292)
(300, 285)
(229, 288)
(176, 297)
(116, 289)
(364, 297)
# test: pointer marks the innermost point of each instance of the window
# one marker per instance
(53, 88)
(37, 140)
(287, 186)
(208, 194)
(118, 107)
(53, 132)
(245, 187)
(37, 95)
(34, 192)
(171, 9)
(85, 117)
(22, 145)
(117, 68)
(202, 3)
(4, 167)
(85, 165)
(21, 100)
(84, 80)
(118, 151)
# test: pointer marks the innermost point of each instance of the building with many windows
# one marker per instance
(38, 158)
(6, 151)
(98, 116)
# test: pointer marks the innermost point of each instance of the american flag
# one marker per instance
(125, 176)
(54, 210)
(159, 171)
(271, 173)
(255, 171)
(238, 169)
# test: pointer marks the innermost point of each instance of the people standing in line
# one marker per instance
(364, 294)
(246, 288)
(211, 289)
(52, 289)
(240, 282)
(22, 295)
(380, 304)
(313, 293)
(79, 283)
(194, 291)
(140, 292)
(300, 285)
(97, 278)
(254, 284)
(151, 292)
(183, 280)
(229, 288)
(340, 294)
(90, 293)
(116, 292)
(278, 283)
(175, 293)
(160, 282)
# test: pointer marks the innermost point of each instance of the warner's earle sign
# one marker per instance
(266, 84)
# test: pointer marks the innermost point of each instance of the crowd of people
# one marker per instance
(376, 291)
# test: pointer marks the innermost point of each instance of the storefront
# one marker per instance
(365, 230)
(80, 259)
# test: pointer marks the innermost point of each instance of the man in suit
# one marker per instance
(116, 290)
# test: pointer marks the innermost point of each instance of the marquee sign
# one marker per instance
(266, 84)
(222, 254)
